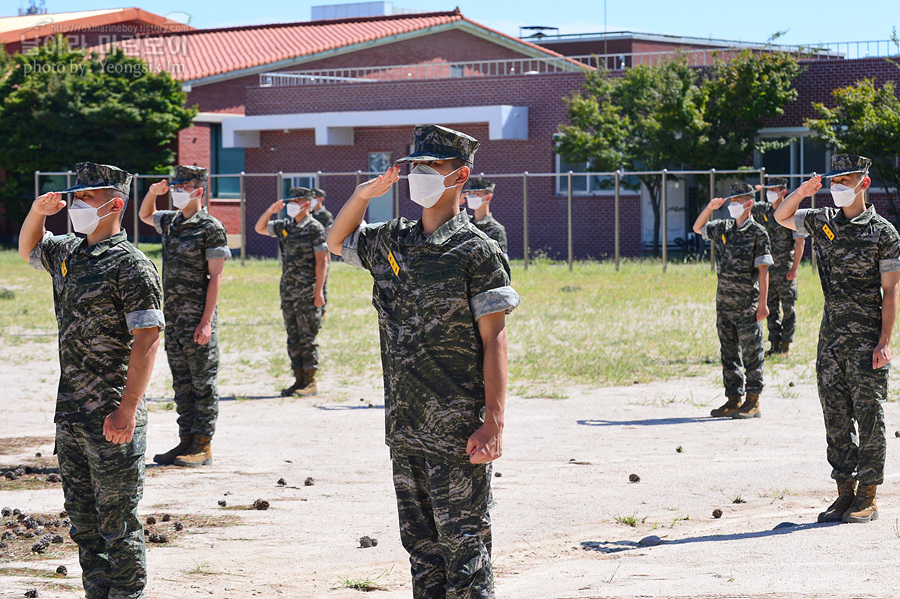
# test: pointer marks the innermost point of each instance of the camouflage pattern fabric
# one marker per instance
(740, 189)
(299, 193)
(102, 484)
(739, 253)
(493, 229)
(851, 254)
(184, 173)
(742, 351)
(299, 243)
(429, 292)
(843, 164)
(445, 526)
(89, 175)
(782, 298)
(325, 218)
(187, 246)
(480, 184)
(434, 142)
(101, 293)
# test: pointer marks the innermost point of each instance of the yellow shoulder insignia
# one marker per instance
(723, 237)
(393, 262)
(828, 232)
(765, 218)
(63, 269)
(284, 232)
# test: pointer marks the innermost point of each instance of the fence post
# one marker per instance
(135, 207)
(358, 176)
(243, 213)
(68, 185)
(569, 205)
(396, 189)
(37, 184)
(525, 217)
(616, 219)
(712, 194)
(665, 221)
(812, 242)
(762, 180)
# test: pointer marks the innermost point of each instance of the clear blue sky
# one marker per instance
(807, 21)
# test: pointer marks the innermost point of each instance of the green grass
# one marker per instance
(631, 520)
(637, 325)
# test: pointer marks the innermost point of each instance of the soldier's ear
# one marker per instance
(462, 175)
(118, 203)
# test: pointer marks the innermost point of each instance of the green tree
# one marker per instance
(646, 120)
(866, 121)
(59, 106)
(741, 94)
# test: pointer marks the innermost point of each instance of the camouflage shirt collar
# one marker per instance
(101, 246)
(745, 225)
(489, 217)
(195, 216)
(443, 233)
(302, 222)
(861, 219)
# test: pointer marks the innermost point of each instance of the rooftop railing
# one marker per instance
(533, 66)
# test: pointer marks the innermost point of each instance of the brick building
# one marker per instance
(342, 95)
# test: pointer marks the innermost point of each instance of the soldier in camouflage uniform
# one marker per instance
(858, 257)
(787, 251)
(304, 270)
(441, 290)
(478, 197)
(743, 260)
(194, 250)
(107, 299)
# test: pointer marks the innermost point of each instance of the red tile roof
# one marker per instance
(27, 27)
(194, 55)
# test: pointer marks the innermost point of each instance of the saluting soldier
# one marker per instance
(478, 197)
(318, 210)
(858, 257)
(304, 269)
(743, 258)
(787, 251)
(194, 250)
(442, 291)
(107, 299)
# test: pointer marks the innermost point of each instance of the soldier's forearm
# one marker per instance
(346, 222)
(321, 272)
(493, 336)
(763, 284)
(799, 246)
(784, 214)
(888, 315)
(213, 290)
(140, 367)
(148, 208)
(31, 234)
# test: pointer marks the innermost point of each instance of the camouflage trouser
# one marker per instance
(445, 526)
(195, 371)
(741, 341)
(851, 393)
(103, 483)
(782, 319)
(302, 320)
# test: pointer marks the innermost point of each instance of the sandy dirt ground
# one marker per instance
(561, 489)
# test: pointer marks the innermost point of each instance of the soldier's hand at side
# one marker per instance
(119, 427)
(791, 274)
(203, 333)
(881, 356)
(716, 203)
(380, 185)
(319, 300)
(809, 188)
(486, 444)
(49, 204)
(159, 188)
(762, 312)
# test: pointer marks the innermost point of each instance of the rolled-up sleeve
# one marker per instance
(216, 253)
(502, 299)
(489, 285)
(145, 319)
(270, 228)
(355, 248)
(889, 251)
(157, 220)
(800, 222)
(36, 257)
(765, 259)
(141, 295)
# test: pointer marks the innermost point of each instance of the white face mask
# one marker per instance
(473, 201)
(843, 195)
(293, 209)
(735, 209)
(180, 199)
(772, 196)
(426, 185)
(84, 217)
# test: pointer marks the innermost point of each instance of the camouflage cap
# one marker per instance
(776, 182)
(480, 184)
(299, 193)
(844, 164)
(184, 173)
(318, 192)
(740, 189)
(90, 175)
(433, 142)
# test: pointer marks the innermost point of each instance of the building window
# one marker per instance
(288, 180)
(584, 183)
(224, 161)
